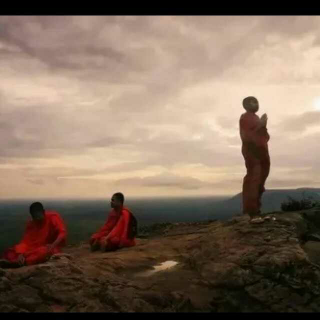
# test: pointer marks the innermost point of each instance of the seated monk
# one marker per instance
(116, 231)
(44, 236)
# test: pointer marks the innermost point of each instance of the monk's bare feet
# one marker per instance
(94, 247)
(257, 220)
(103, 247)
(5, 264)
(104, 244)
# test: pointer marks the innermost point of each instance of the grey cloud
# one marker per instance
(279, 183)
(159, 63)
(125, 167)
(290, 26)
(299, 150)
(301, 122)
(228, 121)
(144, 63)
(36, 181)
(60, 44)
(35, 174)
(71, 31)
(42, 132)
(169, 180)
(107, 142)
(57, 172)
(234, 140)
(208, 152)
(166, 180)
(70, 47)
(28, 132)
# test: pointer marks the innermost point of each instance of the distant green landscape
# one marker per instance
(84, 217)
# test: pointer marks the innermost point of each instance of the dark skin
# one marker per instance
(117, 205)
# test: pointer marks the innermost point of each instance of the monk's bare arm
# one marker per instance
(58, 223)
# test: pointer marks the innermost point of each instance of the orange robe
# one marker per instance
(257, 160)
(36, 239)
(116, 227)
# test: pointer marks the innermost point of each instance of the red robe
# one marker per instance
(116, 227)
(257, 160)
(37, 237)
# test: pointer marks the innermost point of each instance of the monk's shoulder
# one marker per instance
(52, 214)
(249, 115)
(29, 224)
(112, 213)
(243, 115)
(126, 212)
(249, 119)
(244, 120)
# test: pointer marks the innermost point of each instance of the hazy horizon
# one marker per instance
(127, 199)
(150, 105)
(83, 217)
(106, 199)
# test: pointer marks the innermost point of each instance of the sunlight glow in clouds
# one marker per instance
(316, 103)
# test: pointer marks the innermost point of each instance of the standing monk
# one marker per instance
(116, 231)
(44, 236)
(255, 137)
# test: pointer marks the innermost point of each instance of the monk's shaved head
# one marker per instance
(36, 206)
(119, 196)
(251, 104)
(117, 200)
(37, 211)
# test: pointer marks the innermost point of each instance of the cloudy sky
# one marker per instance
(150, 105)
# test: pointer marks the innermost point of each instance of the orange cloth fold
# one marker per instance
(116, 227)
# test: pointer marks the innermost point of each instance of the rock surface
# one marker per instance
(231, 266)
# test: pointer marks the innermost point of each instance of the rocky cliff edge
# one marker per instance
(231, 266)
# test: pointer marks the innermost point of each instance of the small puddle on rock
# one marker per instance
(162, 267)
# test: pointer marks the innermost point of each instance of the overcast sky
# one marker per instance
(150, 106)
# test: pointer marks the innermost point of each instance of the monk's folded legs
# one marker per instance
(4, 264)
(109, 244)
(30, 257)
(38, 255)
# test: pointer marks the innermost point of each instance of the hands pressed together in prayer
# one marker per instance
(264, 120)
